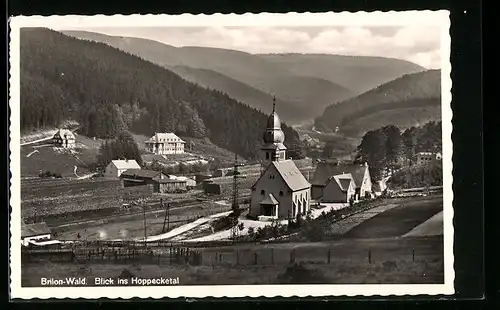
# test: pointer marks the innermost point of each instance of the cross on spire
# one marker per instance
(274, 103)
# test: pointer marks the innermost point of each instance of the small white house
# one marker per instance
(116, 167)
(64, 138)
(34, 232)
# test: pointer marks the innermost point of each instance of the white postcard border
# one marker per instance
(438, 18)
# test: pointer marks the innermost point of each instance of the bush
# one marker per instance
(226, 222)
(300, 274)
(313, 231)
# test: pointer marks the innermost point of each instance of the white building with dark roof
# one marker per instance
(339, 189)
(34, 232)
(282, 191)
(165, 143)
(64, 138)
(116, 167)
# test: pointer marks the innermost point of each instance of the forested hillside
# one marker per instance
(416, 94)
(288, 110)
(105, 90)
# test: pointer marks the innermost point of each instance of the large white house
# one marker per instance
(116, 167)
(282, 191)
(165, 143)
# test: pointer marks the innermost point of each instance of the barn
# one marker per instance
(135, 177)
(116, 167)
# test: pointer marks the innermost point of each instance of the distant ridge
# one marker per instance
(305, 84)
(407, 100)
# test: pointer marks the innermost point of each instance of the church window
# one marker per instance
(262, 192)
(281, 193)
(267, 155)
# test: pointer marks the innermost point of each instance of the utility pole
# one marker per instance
(144, 215)
(168, 216)
(166, 220)
(235, 206)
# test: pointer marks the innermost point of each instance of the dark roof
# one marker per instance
(342, 181)
(289, 172)
(140, 173)
(269, 200)
(325, 170)
(171, 181)
(35, 229)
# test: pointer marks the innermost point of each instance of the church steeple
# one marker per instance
(273, 148)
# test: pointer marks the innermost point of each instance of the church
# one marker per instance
(282, 191)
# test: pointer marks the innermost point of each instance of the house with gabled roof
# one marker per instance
(281, 191)
(325, 170)
(165, 143)
(339, 189)
(64, 138)
(116, 167)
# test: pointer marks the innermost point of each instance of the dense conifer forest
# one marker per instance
(108, 91)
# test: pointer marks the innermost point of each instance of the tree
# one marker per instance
(409, 142)
(124, 147)
(296, 151)
(392, 146)
(372, 150)
(328, 149)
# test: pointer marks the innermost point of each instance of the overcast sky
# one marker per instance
(418, 44)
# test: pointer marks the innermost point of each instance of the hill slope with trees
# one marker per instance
(108, 91)
(417, 96)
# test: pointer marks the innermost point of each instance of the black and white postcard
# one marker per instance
(299, 154)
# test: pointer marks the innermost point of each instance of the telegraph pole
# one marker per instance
(235, 205)
(168, 216)
(145, 230)
(166, 220)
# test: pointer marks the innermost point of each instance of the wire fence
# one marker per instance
(232, 256)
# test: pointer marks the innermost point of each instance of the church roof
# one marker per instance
(289, 172)
(325, 170)
(274, 146)
(273, 121)
(273, 132)
(269, 200)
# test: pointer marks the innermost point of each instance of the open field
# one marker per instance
(431, 227)
(388, 261)
(397, 221)
(36, 158)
